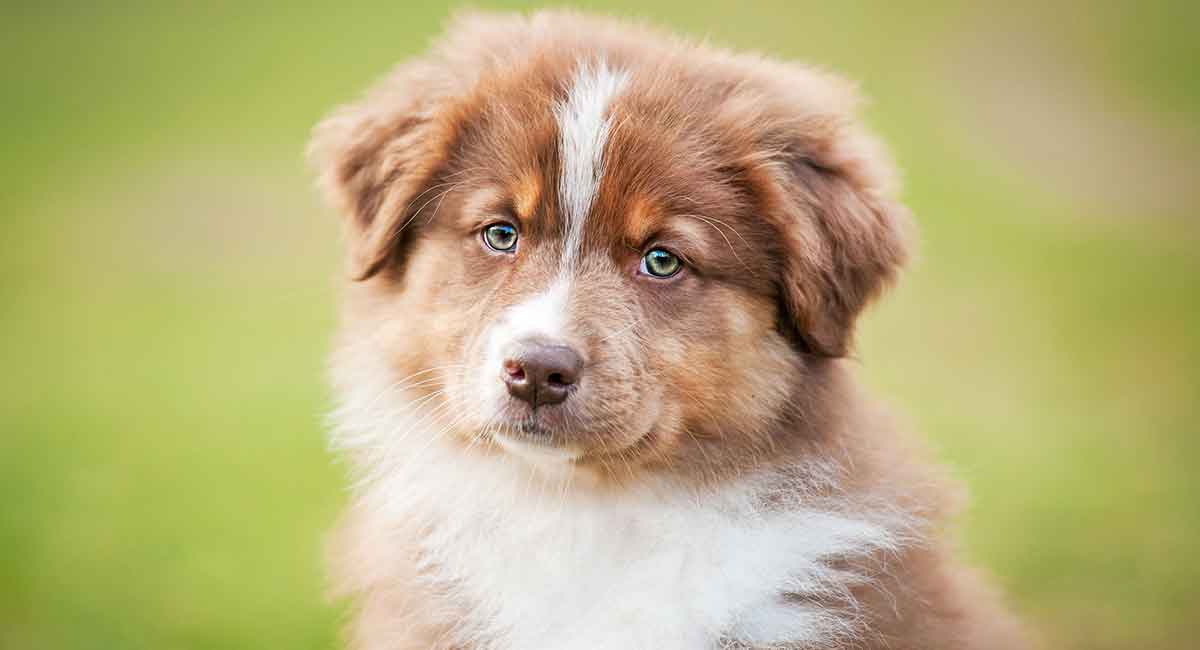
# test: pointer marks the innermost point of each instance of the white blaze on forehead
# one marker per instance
(583, 127)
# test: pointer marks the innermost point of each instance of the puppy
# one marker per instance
(591, 367)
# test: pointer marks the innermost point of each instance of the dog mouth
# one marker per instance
(531, 429)
(571, 430)
(531, 439)
(538, 429)
(546, 424)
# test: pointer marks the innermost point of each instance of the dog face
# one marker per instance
(609, 255)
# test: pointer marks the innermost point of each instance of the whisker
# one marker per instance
(621, 331)
(720, 232)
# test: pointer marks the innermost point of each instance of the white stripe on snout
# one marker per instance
(544, 315)
(583, 127)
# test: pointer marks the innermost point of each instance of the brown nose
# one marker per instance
(542, 374)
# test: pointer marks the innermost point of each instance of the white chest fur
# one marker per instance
(544, 565)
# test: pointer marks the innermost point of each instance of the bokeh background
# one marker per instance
(167, 284)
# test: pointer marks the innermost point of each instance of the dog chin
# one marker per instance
(539, 449)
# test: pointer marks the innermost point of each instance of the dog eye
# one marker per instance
(500, 237)
(660, 263)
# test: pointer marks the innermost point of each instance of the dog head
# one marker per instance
(577, 240)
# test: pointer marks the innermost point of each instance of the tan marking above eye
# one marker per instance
(641, 219)
(526, 195)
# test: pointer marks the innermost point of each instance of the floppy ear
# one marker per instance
(849, 250)
(376, 157)
(843, 235)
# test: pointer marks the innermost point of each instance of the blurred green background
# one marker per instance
(167, 283)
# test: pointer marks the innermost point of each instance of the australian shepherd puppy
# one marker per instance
(592, 364)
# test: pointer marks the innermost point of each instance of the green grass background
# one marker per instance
(166, 298)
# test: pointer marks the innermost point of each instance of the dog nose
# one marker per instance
(542, 373)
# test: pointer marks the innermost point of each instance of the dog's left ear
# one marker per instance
(844, 235)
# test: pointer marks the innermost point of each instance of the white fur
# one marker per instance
(544, 315)
(583, 127)
(521, 561)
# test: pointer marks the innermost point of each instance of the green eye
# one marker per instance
(500, 237)
(660, 263)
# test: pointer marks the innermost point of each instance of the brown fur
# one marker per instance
(756, 173)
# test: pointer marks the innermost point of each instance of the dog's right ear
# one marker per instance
(377, 160)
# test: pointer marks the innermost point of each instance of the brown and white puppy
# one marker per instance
(591, 371)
